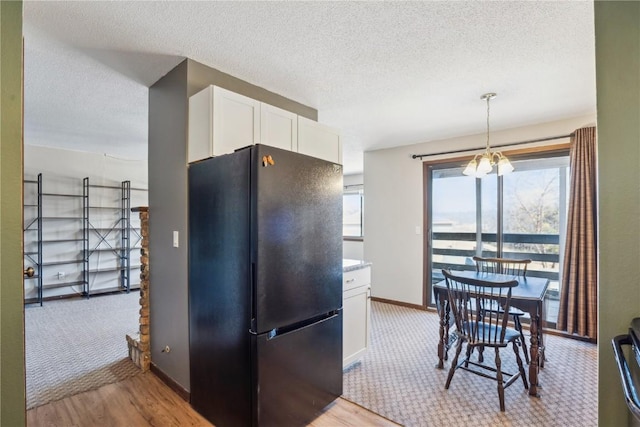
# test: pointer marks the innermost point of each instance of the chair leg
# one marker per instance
(481, 348)
(454, 363)
(468, 355)
(518, 326)
(523, 373)
(500, 380)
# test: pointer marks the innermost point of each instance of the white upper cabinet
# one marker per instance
(221, 121)
(278, 127)
(236, 120)
(318, 140)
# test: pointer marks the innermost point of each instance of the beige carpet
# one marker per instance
(397, 379)
(78, 345)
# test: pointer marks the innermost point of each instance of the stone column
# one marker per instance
(140, 349)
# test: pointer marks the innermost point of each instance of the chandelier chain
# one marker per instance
(488, 100)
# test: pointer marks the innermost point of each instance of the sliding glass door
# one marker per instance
(519, 215)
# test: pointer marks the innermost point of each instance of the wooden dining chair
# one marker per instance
(476, 327)
(511, 267)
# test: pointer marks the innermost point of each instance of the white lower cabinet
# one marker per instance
(356, 314)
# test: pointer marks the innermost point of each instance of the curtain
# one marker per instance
(578, 298)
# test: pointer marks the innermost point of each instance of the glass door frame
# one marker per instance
(429, 166)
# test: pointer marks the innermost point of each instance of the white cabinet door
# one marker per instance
(200, 127)
(236, 121)
(278, 127)
(318, 140)
(356, 308)
(221, 121)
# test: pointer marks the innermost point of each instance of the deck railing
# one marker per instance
(542, 249)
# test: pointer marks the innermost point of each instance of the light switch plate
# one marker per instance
(175, 239)
(418, 230)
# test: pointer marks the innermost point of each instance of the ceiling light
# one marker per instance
(483, 166)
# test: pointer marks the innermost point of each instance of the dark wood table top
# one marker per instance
(529, 288)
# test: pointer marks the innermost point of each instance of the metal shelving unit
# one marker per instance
(121, 225)
(135, 237)
(115, 239)
(38, 224)
(125, 234)
(58, 220)
(35, 225)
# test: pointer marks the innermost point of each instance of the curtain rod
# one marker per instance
(551, 138)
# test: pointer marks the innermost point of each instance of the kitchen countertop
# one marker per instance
(354, 264)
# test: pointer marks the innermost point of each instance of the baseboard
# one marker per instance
(565, 334)
(400, 303)
(180, 391)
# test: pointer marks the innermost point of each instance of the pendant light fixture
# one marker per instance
(483, 163)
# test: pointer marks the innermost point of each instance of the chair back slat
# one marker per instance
(469, 300)
(510, 266)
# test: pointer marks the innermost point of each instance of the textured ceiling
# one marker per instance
(384, 73)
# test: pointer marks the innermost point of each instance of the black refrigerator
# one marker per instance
(265, 287)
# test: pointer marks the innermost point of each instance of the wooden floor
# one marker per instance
(144, 400)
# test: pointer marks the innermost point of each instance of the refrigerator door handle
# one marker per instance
(278, 332)
(252, 298)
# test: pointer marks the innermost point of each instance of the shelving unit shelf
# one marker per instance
(80, 229)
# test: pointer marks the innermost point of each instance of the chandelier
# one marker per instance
(483, 163)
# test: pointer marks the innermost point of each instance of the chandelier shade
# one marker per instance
(482, 164)
(504, 166)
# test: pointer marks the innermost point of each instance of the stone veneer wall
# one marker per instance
(140, 349)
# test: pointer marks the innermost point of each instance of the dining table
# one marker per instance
(528, 296)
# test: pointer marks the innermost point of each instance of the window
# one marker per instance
(520, 215)
(352, 212)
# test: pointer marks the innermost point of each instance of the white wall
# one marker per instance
(102, 169)
(394, 204)
(354, 179)
(353, 249)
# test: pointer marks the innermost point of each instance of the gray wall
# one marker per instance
(168, 113)
(617, 30)
(168, 212)
(201, 76)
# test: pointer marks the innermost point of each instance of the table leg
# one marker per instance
(442, 343)
(533, 366)
(541, 349)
